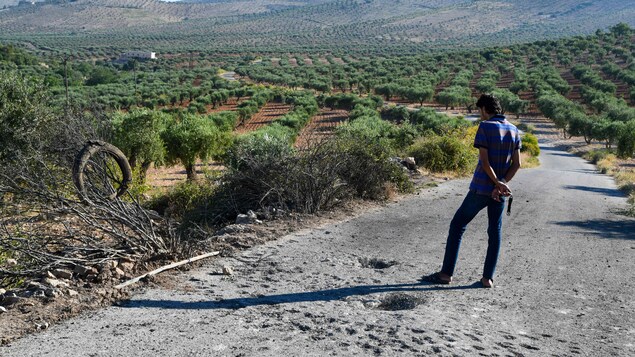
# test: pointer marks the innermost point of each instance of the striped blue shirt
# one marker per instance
(501, 139)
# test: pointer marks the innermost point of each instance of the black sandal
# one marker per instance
(434, 279)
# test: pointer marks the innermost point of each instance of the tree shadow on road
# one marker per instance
(613, 192)
(309, 296)
(604, 228)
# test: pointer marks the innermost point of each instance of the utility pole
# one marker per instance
(65, 61)
(133, 63)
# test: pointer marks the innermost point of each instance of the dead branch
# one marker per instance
(165, 268)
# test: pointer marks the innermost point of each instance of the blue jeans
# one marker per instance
(471, 206)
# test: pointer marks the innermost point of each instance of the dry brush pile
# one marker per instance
(45, 225)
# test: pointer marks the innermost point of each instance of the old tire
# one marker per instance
(90, 150)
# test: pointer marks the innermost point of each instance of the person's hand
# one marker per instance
(500, 191)
(496, 194)
(503, 188)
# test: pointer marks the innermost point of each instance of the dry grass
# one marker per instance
(608, 164)
(622, 170)
(529, 161)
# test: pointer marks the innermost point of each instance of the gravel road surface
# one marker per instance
(564, 285)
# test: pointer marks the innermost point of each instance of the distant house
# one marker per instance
(137, 55)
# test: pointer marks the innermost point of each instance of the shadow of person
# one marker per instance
(307, 296)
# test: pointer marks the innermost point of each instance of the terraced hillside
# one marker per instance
(321, 25)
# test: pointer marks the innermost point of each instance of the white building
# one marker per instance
(137, 54)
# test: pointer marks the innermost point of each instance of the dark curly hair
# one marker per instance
(490, 103)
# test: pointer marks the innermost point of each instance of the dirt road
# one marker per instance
(564, 286)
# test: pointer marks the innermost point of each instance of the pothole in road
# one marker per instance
(376, 263)
(396, 302)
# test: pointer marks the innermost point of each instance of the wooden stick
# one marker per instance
(167, 267)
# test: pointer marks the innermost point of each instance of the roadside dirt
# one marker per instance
(37, 313)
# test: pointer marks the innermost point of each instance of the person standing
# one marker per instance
(498, 142)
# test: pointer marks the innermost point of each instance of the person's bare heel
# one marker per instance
(487, 283)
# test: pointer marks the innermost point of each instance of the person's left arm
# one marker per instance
(515, 166)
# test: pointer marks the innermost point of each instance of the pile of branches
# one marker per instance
(45, 224)
(265, 173)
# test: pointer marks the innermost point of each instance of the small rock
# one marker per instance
(49, 275)
(39, 294)
(72, 292)
(11, 262)
(250, 218)
(234, 228)
(112, 264)
(243, 219)
(52, 292)
(2, 291)
(34, 285)
(105, 275)
(11, 299)
(84, 270)
(42, 326)
(63, 273)
(227, 270)
(409, 163)
(2, 310)
(126, 265)
(55, 283)
(119, 273)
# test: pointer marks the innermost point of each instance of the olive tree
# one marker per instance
(22, 114)
(138, 135)
(192, 137)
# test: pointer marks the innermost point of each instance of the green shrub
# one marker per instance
(527, 128)
(225, 121)
(267, 145)
(443, 153)
(626, 140)
(427, 119)
(595, 156)
(182, 198)
(530, 144)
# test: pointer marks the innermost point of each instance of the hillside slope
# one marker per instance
(352, 24)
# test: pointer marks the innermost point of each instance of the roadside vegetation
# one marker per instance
(608, 163)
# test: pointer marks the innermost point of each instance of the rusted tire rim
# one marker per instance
(90, 149)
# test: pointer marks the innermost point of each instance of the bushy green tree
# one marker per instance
(607, 131)
(420, 94)
(626, 140)
(138, 134)
(455, 96)
(101, 75)
(510, 101)
(23, 114)
(192, 137)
